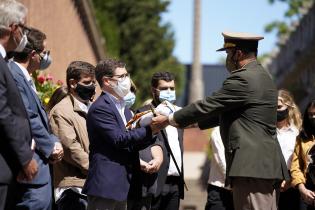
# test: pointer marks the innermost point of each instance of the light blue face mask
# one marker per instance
(45, 61)
(130, 99)
(168, 95)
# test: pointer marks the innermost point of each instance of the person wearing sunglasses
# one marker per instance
(36, 194)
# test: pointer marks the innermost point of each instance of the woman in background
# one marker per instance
(300, 161)
(288, 126)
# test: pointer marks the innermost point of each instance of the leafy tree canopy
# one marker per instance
(134, 34)
(293, 13)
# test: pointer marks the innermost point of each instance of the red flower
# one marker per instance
(49, 77)
(59, 82)
(41, 79)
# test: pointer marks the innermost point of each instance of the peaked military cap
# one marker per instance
(240, 41)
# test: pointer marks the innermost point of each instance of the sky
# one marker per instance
(217, 16)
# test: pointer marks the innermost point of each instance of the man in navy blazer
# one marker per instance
(36, 194)
(16, 156)
(113, 148)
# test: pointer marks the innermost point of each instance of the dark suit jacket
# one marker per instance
(145, 183)
(113, 150)
(15, 133)
(246, 110)
(44, 139)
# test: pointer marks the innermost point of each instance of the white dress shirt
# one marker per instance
(218, 164)
(172, 136)
(2, 51)
(287, 137)
(120, 105)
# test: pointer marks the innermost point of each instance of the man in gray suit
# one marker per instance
(246, 109)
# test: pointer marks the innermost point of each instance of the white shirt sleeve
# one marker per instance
(218, 149)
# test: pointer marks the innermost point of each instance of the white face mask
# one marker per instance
(22, 44)
(122, 88)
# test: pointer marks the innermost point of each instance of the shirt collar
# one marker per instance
(24, 70)
(115, 100)
(82, 106)
(2, 51)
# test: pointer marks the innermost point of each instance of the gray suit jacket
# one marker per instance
(246, 109)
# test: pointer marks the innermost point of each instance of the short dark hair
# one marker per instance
(35, 42)
(164, 75)
(78, 68)
(307, 129)
(107, 68)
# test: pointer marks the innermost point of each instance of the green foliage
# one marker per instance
(134, 33)
(293, 13)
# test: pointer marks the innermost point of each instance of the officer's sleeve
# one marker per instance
(233, 94)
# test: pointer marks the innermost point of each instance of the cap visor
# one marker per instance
(221, 49)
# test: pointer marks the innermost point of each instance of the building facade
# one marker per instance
(71, 30)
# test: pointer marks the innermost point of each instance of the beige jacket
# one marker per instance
(300, 160)
(68, 122)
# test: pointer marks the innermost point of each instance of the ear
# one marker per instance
(73, 83)
(105, 81)
(33, 53)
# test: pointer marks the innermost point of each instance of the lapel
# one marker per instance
(35, 96)
(115, 111)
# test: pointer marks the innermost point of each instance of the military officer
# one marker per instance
(246, 109)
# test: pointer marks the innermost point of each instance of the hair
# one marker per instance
(59, 94)
(307, 129)
(11, 12)
(294, 111)
(78, 68)
(107, 68)
(36, 40)
(165, 75)
(133, 87)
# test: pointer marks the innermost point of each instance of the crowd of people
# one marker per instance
(79, 153)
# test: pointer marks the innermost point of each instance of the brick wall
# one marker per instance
(66, 38)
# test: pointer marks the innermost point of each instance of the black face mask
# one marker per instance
(85, 92)
(312, 122)
(281, 115)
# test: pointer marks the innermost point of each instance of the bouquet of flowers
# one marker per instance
(45, 86)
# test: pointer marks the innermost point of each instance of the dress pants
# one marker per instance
(98, 203)
(34, 197)
(143, 203)
(254, 193)
(169, 198)
(219, 198)
(3, 195)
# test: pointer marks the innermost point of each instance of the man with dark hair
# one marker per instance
(36, 194)
(113, 148)
(16, 156)
(168, 188)
(68, 122)
(246, 110)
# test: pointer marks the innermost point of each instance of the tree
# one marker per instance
(134, 33)
(293, 13)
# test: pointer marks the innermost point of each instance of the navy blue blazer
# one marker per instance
(15, 132)
(113, 150)
(44, 139)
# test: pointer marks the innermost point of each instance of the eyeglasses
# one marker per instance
(121, 77)
(47, 52)
(25, 29)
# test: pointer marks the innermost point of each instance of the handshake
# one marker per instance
(156, 118)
